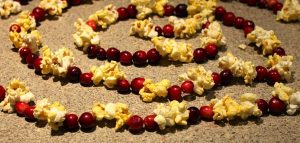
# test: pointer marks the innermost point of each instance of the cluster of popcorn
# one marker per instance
(143, 28)
(147, 7)
(227, 108)
(196, 6)
(112, 111)
(15, 91)
(85, 36)
(56, 63)
(282, 64)
(201, 78)
(174, 113)
(105, 17)
(8, 7)
(290, 11)
(152, 90)
(212, 35)
(109, 73)
(238, 67)
(53, 113)
(26, 22)
(267, 40)
(176, 51)
(53, 7)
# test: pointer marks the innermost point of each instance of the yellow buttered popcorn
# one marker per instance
(152, 90)
(212, 35)
(40, 110)
(206, 15)
(85, 35)
(196, 6)
(290, 11)
(110, 111)
(174, 113)
(15, 91)
(143, 28)
(176, 51)
(25, 21)
(184, 28)
(201, 78)
(282, 92)
(105, 17)
(294, 103)
(282, 64)
(9, 6)
(267, 40)
(109, 73)
(147, 7)
(31, 40)
(54, 7)
(238, 67)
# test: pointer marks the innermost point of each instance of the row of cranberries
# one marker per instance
(273, 5)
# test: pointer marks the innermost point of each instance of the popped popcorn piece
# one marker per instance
(238, 67)
(242, 46)
(227, 108)
(174, 113)
(25, 21)
(184, 28)
(212, 35)
(267, 40)
(152, 90)
(147, 7)
(143, 28)
(15, 91)
(53, 113)
(85, 35)
(105, 17)
(53, 7)
(31, 40)
(109, 73)
(282, 92)
(294, 103)
(201, 78)
(290, 11)
(8, 6)
(282, 64)
(176, 51)
(206, 15)
(196, 6)
(110, 111)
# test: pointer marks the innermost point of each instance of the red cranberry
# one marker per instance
(123, 14)
(73, 74)
(187, 86)
(168, 31)
(212, 50)
(92, 23)
(168, 9)
(262, 105)
(87, 120)
(217, 78)
(226, 76)
(92, 51)
(101, 54)
(158, 30)
(30, 59)
(261, 3)
(153, 56)
(139, 58)
(194, 115)
(228, 19)
(279, 51)
(20, 107)
(132, 12)
(205, 25)
(247, 30)
(276, 106)
(262, 73)
(150, 124)
(113, 54)
(29, 113)
(135, 123)
(38, 13)
(206, 113)
(15, 28)
(71, 121)
(200, 55)
(123, 86)
(86, 79)
(248, 23)
(75, 2)
(125, 58)
(238, 22)
(273, 77)
(271, 3)
(24, 52)
(174, 93)
(181, 10)
(251, 2)
(37, 64)
(137, 84)
(220, 12)
(2, 93)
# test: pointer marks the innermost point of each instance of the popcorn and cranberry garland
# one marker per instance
(8, 7)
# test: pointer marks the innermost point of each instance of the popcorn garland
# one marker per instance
(8, 7)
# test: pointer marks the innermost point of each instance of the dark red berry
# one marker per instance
(137, 84)
(29, 113)
(153, 56)
(206, 113)
(212, 50)
(135, 123)
(248, 23)
(150, 124)
(113, 54)
(37, 64)
(271, 3)
(73, 74)
(262, 105)
(200, 55)
(20, 107)
(132, 12)
(226, 76)
(276, 106)
(220, 12)
(261, 3)
(139, 58)
(251, 2)
(187, 86)
(238, 22)
(123, 86)
(75, 2)
(247, 30)
(273, 77)
(123, 14)
(101, 54)
(277, 7)
(181, 10)
(92, 51)
(228, 19)
(174, 93)
(38, 13)
(15, 28)
(2, 93)
(262, 73)
(24, 52)
(168, 10)
(194, 115)
(125, 58)
(86, 79)
(217, 78)
(71, 121)
(158, 30)
(87, 120)
(30, 59)
(92, 23)
(168, 31)
(205, 25)
(279, 51)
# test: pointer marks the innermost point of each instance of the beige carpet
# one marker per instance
(58, 33)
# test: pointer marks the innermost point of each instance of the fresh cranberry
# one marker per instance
(29, 113)
(248, 23)
(38, 13)
(262, 105)
(200, 55)
(251, 2)
(92, 51)
(217, 78)
(168, 31)
(87, 120)
(205, 25)
(37, 64)
(125, 58)
(15, 28)
(174, 93)
(101, 54)
(75, 2)
(71, 121)
(206, 113)
(279, 51)
(123, 86)
(181, 10)
(73, 74)
(247, 30)
(194, 115)
(168, 10)
(158, 30)
(228, 19)
(226, 76)
(113, 54)
(271, 3)
(238, 22)
(24, 52)
(30, 59)
(20, 107)
(92, 23)
(137, 84)
(187, 86)
(261, 3)
(150, 124)
(276, 106)
(2, 93)
(273, 77)
(135, 123)
(123, 14)
(220, 12)
(262, 73)
(212, 50)
(153, 56)
(132, 12)
(86, 79)
(139, 58)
